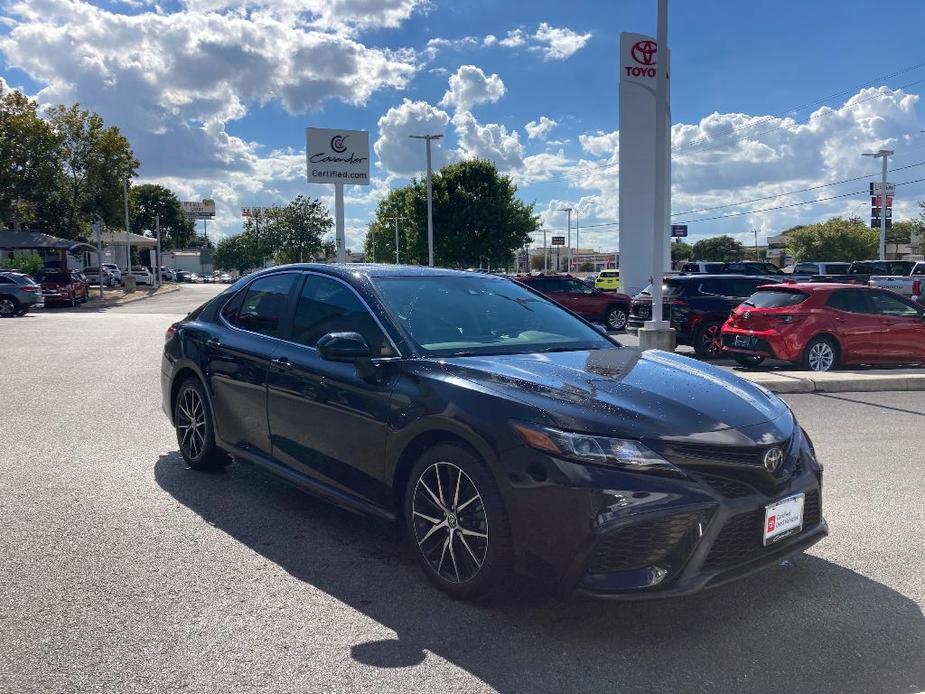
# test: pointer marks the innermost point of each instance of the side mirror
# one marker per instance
(343, 347)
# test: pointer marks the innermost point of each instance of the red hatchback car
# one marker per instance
(63, 286)
(610, 308)
(822, 326)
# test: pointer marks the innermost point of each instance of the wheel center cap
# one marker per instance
(451, 520)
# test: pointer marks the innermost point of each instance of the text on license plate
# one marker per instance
(782, 518)
(746, 341)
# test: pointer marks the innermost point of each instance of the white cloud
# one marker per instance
(601, 144)
(558, 43)
(398, 153)
(490, 40)
(469, 86)
(491, 141)
(514, 39)
(326, 14)
(540, 130)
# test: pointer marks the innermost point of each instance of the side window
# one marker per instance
(850, 300)
(806, 267)
(576, 287)
(264, 303)
(715, 267)
(918, 270)
(329, 306)
(689, 267)
(553, 286)
(888, 305)
(6, 280)
(230, 310)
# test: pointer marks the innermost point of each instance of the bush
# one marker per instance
(27, 263)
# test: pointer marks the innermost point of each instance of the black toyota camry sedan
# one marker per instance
(504, 433)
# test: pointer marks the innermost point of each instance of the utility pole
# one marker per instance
(885, 154)
(756, 244)
(98, 230)
(577, 246)
(396, 219)
(568, 254)
(430, 199)
(545, 254)
(157, 259)
(129, 281)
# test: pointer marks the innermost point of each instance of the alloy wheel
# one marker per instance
(191, 423)
(616, 319)
(449, 522)
(821, 357)
(710, 339)
(7, 307)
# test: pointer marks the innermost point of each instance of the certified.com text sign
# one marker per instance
(337, 156)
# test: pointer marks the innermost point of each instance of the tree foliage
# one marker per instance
(836, 239)
(478, 219)
(718, 249)
(28, 263)
(149, 201)
(681, 250)
(295, 233)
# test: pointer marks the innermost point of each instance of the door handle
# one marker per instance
(282, 363)
(213, 343)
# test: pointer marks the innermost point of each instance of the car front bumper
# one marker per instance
(620, 535)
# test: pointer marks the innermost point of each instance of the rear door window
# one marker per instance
(264, 304)
(806, 268)
(888, 305)
(850, 300)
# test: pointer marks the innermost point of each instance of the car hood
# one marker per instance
(631, 393)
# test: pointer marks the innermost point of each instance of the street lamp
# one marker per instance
(885, 154)
(430, 198)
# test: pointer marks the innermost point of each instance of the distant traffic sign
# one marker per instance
(558, 240)
(679, 231)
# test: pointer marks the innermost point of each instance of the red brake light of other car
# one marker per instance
(171, 331)
(917, 287)
(27, 288)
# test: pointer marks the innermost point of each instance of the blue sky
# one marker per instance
(215, 95)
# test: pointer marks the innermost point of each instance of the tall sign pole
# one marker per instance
(98, 231)
(338, 157)
(157, 259)
(661, 164)
(885, 195)
(430, 197)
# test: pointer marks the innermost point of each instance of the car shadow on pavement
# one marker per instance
(806, 626)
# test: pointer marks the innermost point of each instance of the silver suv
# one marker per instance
(18, 293)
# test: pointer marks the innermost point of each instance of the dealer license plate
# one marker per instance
(783, 518)
(745, 341)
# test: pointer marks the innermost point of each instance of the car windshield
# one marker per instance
(482, 315)
(772, 298)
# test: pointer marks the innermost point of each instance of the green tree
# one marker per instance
(586, 267)
(149, 201)
(537, 262)
(94, 162)
(681, 250)
(836, 239)
(718, 249)
(295, 232)
(28, 263)
(478, 219)
(235, 253)
(28, 160)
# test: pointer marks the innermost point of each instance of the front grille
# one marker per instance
(740, 540)
(641, 544)
(732, 489)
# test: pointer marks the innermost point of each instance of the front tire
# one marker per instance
(616, 318)
(457, 524)
(820, 354)
(192, 417)
(707, 340)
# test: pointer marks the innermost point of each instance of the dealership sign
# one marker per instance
(205, 209)
(256, 211)
(558, 240)
(337, 156)
(679, 231)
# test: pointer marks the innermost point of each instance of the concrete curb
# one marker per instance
(137, 296)
(786, 382)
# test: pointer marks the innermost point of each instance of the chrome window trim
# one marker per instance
(398, 355)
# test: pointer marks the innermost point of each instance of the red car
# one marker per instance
(63, 286)
(610, 308)
(822, 326)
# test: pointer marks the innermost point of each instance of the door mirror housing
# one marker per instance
(343, 347)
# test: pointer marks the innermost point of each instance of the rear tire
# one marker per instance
(456, 523)
(707, 340)
(748, 361)
(8, 306)
(820, 354)
(192, 416)
(616, 318)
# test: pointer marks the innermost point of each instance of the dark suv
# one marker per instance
(610, 308)
(18, 293)
(697, 306)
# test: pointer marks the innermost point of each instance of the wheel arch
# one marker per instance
(832, 337)
(185, 372)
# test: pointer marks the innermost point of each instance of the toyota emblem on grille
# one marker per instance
(748, 314)
(773, 457)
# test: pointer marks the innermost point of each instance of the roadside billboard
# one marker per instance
(204, 209)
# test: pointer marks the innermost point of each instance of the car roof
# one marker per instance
(375, 270)
(816, 286)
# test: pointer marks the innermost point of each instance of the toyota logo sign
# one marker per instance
(644, 52)
(773, 459)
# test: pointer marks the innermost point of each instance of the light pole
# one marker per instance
(396, 219)
(569, 254)
(545, 254)
(885, 154)
(577, 246)
(756, 244)
(128, 281)
(430, 199)
(157, 259)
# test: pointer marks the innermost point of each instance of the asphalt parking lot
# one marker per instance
(123, 571)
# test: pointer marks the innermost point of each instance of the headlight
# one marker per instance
(603, 450)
